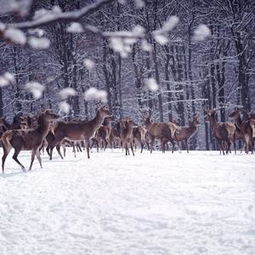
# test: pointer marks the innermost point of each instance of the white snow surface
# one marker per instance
(196, 203)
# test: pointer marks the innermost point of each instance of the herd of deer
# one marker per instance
(48, 130)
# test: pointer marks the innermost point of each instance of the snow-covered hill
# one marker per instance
(197, 203)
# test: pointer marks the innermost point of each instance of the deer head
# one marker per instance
(252, 124)
(104, 112)
(195, 121)
(49, 115)
(235, 114)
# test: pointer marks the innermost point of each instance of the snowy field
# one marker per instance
(197, 203)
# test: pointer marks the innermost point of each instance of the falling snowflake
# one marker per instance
(67, 92)
(151, 84)
(64, 107)
(201, 32)
(35, 88)
(88, 63)
(95, 94)
(75, 27)
(39, 43)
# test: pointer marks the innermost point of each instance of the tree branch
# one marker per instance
(51, 18)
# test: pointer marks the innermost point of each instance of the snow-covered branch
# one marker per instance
(53, 17)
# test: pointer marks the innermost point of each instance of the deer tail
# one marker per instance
(5, 139)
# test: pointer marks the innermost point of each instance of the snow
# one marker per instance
(88, 63)
(35, 88)
(160, 35)
(39, 43)
(122, 41)
(196, 203)
(67, 92)
(151, 84)
(75, 27)
(6, 79)
(201, 32)
(146, 46)
(161, 39)
(170, 24)
(95, 94)
(139, 4)
(64, 107)
(15, 35)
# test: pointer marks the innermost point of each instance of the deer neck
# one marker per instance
(129, 129)
(192, 128)
(148, 123)
(238, 121)
(6, 125)
(212, 122)
(97, 121)
(43, 127)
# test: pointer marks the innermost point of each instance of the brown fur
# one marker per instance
(80, 130)
(224, 132)
(185, 133)
(126, 135)
(30, 139)
(161, 131)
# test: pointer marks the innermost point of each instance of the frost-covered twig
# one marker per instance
(67, 17)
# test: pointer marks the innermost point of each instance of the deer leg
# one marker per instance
(163, 142)
(38, 157)
(74, 151)
(246, 139)
(105, 144)
(142, 146)
(15, 157)
(87, 147)
(186, 145)
(126, 148)
(6, 152)
(32, 158)
(58, 150)
(64, 149)
(132, 149)
(48, 150)
(152, 144)
(79, 147)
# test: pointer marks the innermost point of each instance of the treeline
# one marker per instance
(192, 75)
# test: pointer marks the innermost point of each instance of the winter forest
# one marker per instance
(172, 59)
(100, 102)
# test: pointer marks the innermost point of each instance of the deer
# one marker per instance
(79, 130)
(224, 132)
(185, 133)
(104, 132)
(139, 135)
(17, 123)
(244, 129)
(30, 139)
(126, 135)
(114, 138)
(159, 130)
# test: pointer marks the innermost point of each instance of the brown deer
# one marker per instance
(126, 135)
(104, 132)
(243, 129)
(224, 132)
(17, 123)
(115, 140)
(160, 130)
(80, 130)
(139, 136)
(30, 139)
(185, 133)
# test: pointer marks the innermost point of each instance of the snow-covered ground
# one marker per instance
(197, 203)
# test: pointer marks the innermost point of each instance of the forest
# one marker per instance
(172, 59)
